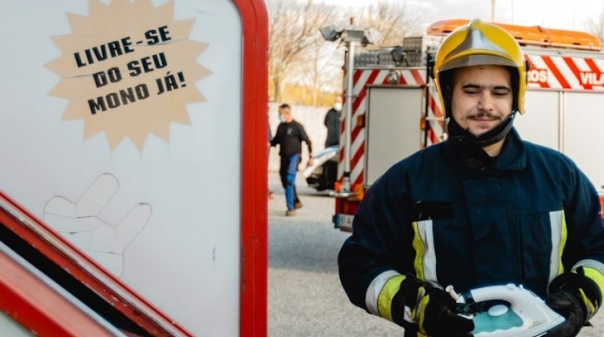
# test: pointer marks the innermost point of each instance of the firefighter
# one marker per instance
(482, 208)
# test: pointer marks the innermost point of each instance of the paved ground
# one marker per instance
(305, 298)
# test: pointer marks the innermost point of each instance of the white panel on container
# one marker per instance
(392, 129)
(540, 124)
(584, 131)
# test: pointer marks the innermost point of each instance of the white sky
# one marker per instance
(560, 14)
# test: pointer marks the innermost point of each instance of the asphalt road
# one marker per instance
(305, 298)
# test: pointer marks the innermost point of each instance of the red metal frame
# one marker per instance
(65, 255)
(37, 306)
(254, 189)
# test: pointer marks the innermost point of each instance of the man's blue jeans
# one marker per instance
(287, 171)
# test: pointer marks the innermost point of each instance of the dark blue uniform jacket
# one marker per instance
(451, 214)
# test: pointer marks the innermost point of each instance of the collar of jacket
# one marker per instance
(470, 158)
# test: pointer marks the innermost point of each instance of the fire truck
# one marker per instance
(395, 110)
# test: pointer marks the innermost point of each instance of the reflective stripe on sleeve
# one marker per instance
(598, 278)
(372, 297)
(594, 270)
(590, 264)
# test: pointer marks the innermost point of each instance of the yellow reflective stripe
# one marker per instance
(384, 301)
(418, 246)
(558, 237)
(591, 309)
(375, 288)
(418, 313)
(596, 276)
(563, 238)
(421, 311)
(425, 253)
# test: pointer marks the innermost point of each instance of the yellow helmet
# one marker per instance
(479, 43)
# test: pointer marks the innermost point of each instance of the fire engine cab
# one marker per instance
(395, 108)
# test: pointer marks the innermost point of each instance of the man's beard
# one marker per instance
(490, 137)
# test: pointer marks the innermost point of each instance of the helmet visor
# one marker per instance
(477, 60)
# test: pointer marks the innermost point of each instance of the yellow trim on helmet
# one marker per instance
(479, 43)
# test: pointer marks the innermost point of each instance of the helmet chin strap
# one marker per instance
(491, 137)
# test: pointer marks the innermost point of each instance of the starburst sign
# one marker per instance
(128, 69)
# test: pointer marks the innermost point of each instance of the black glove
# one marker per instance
(568, 305)
(433, 311)
(575, 297)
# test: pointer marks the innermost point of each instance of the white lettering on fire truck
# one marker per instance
(538, 75)
(591, 78)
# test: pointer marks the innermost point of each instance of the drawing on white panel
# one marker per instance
(80, 222)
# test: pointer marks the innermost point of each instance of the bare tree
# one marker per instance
(596, 27)
(298, 55)
(309, 72)
(393, 20)
(293, 34)
(321, 71)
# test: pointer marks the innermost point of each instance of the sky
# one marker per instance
(559, 14)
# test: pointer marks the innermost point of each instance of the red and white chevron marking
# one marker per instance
(562, 72)
(545, 72)
(362, 79)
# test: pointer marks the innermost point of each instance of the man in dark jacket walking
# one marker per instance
(290, 135)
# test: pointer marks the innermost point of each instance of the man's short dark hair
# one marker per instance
(284, 106)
